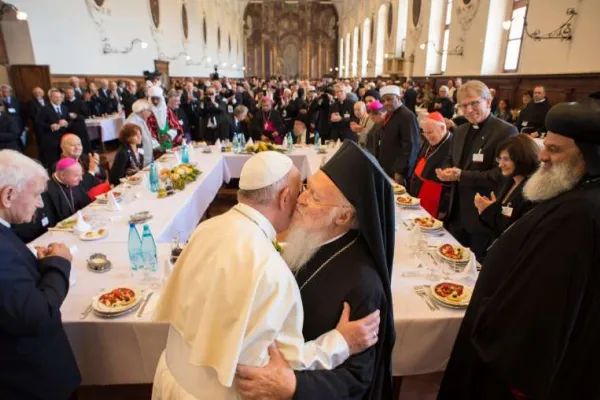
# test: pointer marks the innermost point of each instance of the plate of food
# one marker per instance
(166, 157)
(140, 217)
(132, 180)
(454, 254)
(451, 294)
(399, 189)
(428, 223)
(408, 201)
(103, 198)
(69, 223)
(116, 301)
(95, 234)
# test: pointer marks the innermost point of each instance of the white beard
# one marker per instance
(547, 184)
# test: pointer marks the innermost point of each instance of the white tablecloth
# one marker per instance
(126, 350)
(107, 127)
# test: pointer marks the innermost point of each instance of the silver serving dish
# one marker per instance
(140, 217)
(99, 263)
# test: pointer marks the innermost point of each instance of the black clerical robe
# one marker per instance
(446, 107)
(36, 359)
(77, 124)
(400, 143)
(66, 201)
(532, 117)
(349, 277)
(341, 129)
(128, 99)
(532, 325)
(49, 139)
(266, 123)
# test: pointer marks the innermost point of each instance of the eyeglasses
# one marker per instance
(503, 159)
(310, 199)
(473, 104)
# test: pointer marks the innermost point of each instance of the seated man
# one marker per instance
(228, 300)
(66, 191)
(71, 147)
(36, 359)
(341, 247)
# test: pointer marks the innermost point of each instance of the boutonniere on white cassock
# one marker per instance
(277, 246)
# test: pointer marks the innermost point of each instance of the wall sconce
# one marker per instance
(457, 51)
(330, 69)
(5, 7)
(243, 68)
(386, 56)
(336, 68)
(204, 62)
(161, 56)
(108, 49)
(563, 32)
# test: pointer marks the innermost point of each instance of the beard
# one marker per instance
(546, 184)
(303, 242)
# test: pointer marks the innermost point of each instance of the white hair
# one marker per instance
(266, 195)
(52, 90)
(141, 105)
(18, 170)
(444, 87)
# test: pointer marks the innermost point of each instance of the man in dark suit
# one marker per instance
(9, 132)
(129, 97)
(190, 103)
(104, 90)
(11, 105)
(53, 121)
(341, 113)
(78, 113)
(410, 96)
(235, 124)
(399, 145)
(74, 81)
(471, 165)
(442, 103)
(36, 359)
(33, 107)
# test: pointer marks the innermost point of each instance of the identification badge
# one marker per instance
(44, 222)
(346, 116)
(141, 151)
(478, 157)
(525, 123)
(507, 211)
(284, 113)
(11, 110)
(230, 109)
(180, 122)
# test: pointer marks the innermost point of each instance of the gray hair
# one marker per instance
(362, 105)
(172, 94)
(475, 87)
(141, 105)
(5, 87)
(18, 170)
(444, 87)
(240, 110)
(53, 90)
(266, 195)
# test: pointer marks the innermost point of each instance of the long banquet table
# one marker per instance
(125, 350)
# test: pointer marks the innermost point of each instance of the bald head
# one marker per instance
(71, 147)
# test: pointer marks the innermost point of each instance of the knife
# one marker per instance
(143, 307)
(86, 312)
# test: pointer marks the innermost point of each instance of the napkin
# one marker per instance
(250, 142)
(218, 145)
(338, 144)
(285, 142)
(112, 203)
(81, 226)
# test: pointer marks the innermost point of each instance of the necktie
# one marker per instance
(58, 110)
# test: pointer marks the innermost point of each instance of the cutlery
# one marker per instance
(144, 304)
(421, 290)
(86, 312)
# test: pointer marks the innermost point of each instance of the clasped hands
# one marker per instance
(448, 174)
(61, 124)
(483, 202)
(54, 249)
(277, 380)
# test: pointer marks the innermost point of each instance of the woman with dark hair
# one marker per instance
(518, 160)
(128, 161)
(503, 111)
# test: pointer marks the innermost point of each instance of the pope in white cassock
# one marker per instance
(231, 295)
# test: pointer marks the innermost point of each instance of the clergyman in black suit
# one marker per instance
(410, 96)
(36, 359)
(78, 113)
(129, 97)
(471, 165)
(53, 122)
(190, 103)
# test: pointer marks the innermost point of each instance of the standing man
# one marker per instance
(129, 97)
(11, 104)
(53, 121)
(174, 103)
(235, 124)
(78, 113)
(9, 132)
(513, 343)
(531, 118)
(442, 103)
(471, 165)
(410, 96)
(190, 103)
(78, 91)
(399, 145)
(36, 359)
(341, 113)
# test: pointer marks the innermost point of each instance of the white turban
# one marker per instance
(390, 89)
(155, 91)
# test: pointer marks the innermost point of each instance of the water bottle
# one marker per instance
(149, 253)
(290, 141)
(185, 155)
(236, 144)
(153, 178)
(317, 141)
(134, 245)
(242, 141)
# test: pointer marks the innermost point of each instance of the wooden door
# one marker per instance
(163, 67)
(24, 79)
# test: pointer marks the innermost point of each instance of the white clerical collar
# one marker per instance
(541, 101)
(334, 239)
(255, 216)
(3, 222)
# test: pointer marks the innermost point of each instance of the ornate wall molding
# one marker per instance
(466, 12)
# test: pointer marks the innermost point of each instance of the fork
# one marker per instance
(421, 290)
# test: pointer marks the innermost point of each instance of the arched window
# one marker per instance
(402, 27)
(364, 59)
(515, 35)
(347, 52)
(380, 41)
(341, 61)
(355, 52)
(446, 36)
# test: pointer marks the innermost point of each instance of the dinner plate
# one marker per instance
(399, 189)
(95, 234)
(437, 224)
(464, 260)
(414, 201)
(103, 198)
(132, 180)
(463, 302)
(117, 314)
(103, 310)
